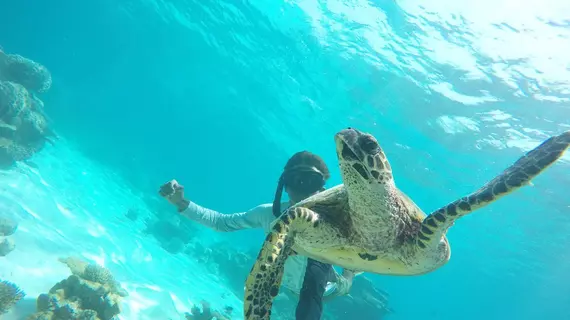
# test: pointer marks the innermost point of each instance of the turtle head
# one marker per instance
(363, 164)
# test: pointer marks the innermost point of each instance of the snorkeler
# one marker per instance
(312, 281)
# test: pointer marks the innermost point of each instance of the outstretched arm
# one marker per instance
(254, 218)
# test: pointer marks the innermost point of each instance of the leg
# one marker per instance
(310, 306)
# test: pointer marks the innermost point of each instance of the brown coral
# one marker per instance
(30, 74)
(91, 293)
(23, 125)
(93, 272)
(75, 264)
(76, 298)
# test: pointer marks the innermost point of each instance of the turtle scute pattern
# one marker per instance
(264, 280)
(425, 250)
(511, 179)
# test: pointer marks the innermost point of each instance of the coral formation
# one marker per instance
(6, 246)
(32, 75)
(94, 273)
(23, 124)
(7, 227)
(10, 294)
(90, 293)
(365, 301)
(206, 314)
(172, 235)
(132, 214)
(232, 264)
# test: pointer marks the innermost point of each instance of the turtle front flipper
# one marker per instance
(262, 284)
(517, 175)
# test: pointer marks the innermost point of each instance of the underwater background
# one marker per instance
(219, 94)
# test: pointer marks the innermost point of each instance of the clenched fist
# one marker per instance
(174, 193)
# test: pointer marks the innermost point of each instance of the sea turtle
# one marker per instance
(368, 224)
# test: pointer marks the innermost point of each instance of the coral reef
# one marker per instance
(24, 126)
(228, 262)
(172, 235)
(7, 245)
(30, 74)
(132, 214)
(207, 313)
(7, 228)
(365, 301)
(10, 294)
(90, 293)
(94, 273)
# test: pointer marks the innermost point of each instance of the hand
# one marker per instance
(174, 193)
(345, 282)
(343, 285)
(349, 276)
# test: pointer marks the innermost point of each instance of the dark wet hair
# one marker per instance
(304, 172)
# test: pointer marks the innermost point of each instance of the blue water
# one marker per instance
(219, 94)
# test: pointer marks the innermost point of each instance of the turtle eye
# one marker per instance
(368, 144)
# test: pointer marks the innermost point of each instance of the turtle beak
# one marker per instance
(344, 140)
(348, 136)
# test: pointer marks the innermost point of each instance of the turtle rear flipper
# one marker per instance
(511, 179)
(262, 284)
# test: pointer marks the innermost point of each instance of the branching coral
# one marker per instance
(10, 294)
(96, 273)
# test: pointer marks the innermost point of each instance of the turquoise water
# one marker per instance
(219, 94)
